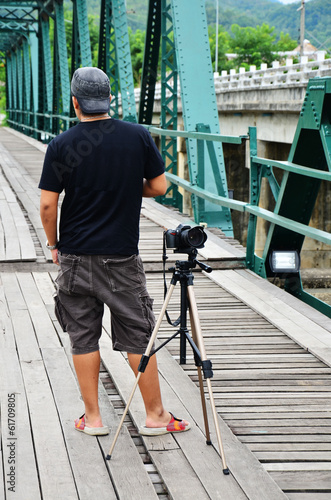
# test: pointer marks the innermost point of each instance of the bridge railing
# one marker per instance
(241, 206)
(287, 74)
(277, 75)
(28, 122)
(251, 207)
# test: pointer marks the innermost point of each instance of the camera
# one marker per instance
(184, 239)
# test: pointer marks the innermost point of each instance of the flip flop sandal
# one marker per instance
(91, 431)
(175, 425)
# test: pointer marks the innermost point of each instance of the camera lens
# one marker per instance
(194, 237)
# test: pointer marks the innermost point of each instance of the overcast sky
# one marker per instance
(290, 1)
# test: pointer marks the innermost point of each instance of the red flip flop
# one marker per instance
(175, 425)
(80, 425)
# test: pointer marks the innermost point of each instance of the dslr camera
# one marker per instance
(184, 239)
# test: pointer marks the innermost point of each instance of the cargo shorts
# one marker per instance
(85, 283)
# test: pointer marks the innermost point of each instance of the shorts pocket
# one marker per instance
(66, 278)
(147, 310)
(123, 273)
(59, 312)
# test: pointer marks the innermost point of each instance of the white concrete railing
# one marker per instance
(286, 75)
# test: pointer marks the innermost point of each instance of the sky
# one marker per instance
(289, 1)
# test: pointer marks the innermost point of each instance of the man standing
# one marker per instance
(105, 167)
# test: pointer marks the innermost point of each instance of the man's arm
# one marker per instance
(48, 214)
(155, 187)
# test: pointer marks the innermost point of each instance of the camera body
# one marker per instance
(184, 239)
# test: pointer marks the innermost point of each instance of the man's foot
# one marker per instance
(82, 426)
(175, 425)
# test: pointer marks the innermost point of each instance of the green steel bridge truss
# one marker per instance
(34, 42)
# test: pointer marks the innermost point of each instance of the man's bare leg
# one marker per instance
(87, 367)
(156, 415)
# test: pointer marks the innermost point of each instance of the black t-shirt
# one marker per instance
(101, 166)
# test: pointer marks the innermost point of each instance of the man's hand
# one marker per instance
(55, 256)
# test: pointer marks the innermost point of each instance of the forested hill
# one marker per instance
(284, 18)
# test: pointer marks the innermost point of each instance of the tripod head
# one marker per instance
(192, 262)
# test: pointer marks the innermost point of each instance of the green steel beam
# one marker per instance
(299, 188)
(19, 78)
(9, 83)
(47, 59)
(169, 102)
(107, 60)
(150, 64)
(199, 101)
(27, 76)
(33, 40)
(83, 31)
(62, 57)
(228, 139)
(221, 201)
(124, 61)
(292, 167)
(14, 79)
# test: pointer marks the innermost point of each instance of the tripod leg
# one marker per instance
(142, 366)
(202, 392)
(207, 371)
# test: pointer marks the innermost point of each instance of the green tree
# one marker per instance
(285, 43)
(2, 88)
(93, 24)
(223, 48)
(253, 46)
(137, 47)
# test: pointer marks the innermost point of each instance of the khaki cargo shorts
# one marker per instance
(85, 283)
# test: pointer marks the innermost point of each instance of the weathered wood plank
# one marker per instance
(55, 473)
(202, 459)
(91, 481)
(128, 477)
(297, 326)
(305, 309)
(15, 432)
(16, 436)
(308, 496)
(14, 295)
(310, 480)
(286, 456)
(39, 315)
(2, 489)
(27, 247)
(2, 242)
(247, 471)
(304, 438)
(12, 246)
(181, 486)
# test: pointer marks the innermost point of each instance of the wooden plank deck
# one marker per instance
(271, 359)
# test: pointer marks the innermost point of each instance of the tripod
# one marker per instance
(182, 273)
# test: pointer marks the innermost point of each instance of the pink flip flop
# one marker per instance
(175, 425)
(91, 431)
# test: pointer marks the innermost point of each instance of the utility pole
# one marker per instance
(216, 49)
(302, 27)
